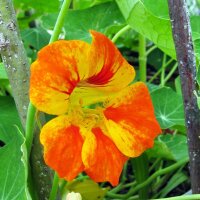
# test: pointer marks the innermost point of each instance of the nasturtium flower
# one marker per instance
(102, 120)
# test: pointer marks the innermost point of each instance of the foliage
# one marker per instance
(12, 153)
(151, 20)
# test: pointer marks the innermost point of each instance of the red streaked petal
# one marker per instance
(102, 159)
(55, 74)
(109, 72)
(109, 68)
(62, 147)
(130, 120)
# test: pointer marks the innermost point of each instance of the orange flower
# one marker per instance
(101, 120)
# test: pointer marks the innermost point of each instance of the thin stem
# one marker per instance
(54, 187)
(154, 164)
(120, 32)
(62, 186)
(159, 71)
(30, 127)
(54, 37)
(142, 58)
(31, 109)
(150, 50)
(185, 197)
(171, 73)
(158, 173)
(162, 78)
(124, 172)
(155, 75)
(60, 20)
(140, 169)
(150, 179)
(116, 189)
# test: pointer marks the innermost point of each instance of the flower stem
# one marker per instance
(54, 187)
(31, 109)
(158, 173)
(60, 20)
(166, 170)
(120, 32)
(30, 127)
(159, 71)
(151, 49)
(142, 58)
(185, 197)
(140, 168)
(54, 37)
(171, 73)
(162, 78)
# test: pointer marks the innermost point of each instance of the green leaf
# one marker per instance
(39, 6)
(168, 146)
(168, 106)
(152, 21)
(198, 99)
(82, 4)
(178, 85)
(88, 189)
(155, 28)
(158, 8)
(35, 37)
(13, 176)
(3, 74)
(79, 22)
(195, 24)
(8, 116)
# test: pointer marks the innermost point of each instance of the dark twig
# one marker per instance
(187, 70)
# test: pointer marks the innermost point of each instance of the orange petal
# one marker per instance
(102, 160)
(62, 147)
(130, 120)
(58, 69)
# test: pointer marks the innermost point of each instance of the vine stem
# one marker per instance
(151, 50)
(185, 197)
(60, 20)
(30, 122)
(158, 173)
(120, 32)
(140, 170)
(159, 71)
(170, 73)
(142, 58)
(162, 78)
(54, 187)
(31, 109)
(150, 179)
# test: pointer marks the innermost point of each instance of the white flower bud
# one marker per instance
(73, 196)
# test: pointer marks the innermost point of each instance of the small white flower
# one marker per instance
(73, 196)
